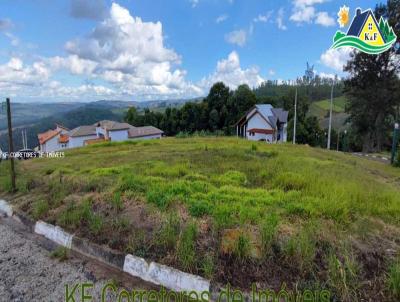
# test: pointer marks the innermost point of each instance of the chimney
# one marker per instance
(358, 11)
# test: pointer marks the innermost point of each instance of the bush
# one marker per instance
(186, 249)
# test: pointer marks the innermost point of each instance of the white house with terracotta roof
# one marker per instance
(54, 140)
(263, 123)
(62, 138)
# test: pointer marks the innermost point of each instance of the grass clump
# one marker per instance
(300, 249)
(60, 253)
(40, 209)
(186, 249)
(169, 232)
(343, 277)
(393, 279)
(242, 247)
(117, 202)
(268, 231)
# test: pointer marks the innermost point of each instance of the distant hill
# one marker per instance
(321, 109)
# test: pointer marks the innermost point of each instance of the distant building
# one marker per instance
(263, 123)
(63, 138)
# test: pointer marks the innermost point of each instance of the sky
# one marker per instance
(137, 50)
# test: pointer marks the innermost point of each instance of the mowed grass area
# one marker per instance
(229, 209)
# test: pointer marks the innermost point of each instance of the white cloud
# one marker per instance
(336, 58)
(263, 18)
(238, 37)
(194, 3)
(326, 75)
(230, 72)
(279, 19)
(15, 76)
(130, 54)
(88, 9)
(304, 12)
(271, 72)
(324, 19)
(221, 18)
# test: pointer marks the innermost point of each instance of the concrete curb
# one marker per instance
(6, 208)
(155, 273)
(54, 233)
(166, 276)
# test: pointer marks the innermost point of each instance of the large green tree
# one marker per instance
(373, 88)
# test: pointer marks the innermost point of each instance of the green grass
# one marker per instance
(339, 104)
(146, 197)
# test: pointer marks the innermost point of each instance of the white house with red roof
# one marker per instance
(63, 138)
(54, 139)
(263, 123)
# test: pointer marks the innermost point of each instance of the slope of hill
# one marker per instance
(321, 109)
(228, 209)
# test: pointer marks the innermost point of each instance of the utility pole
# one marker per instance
(330, 118)
(395, 141)
(295, 118)
(10, 146)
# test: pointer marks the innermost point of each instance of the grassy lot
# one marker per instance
(230, 210)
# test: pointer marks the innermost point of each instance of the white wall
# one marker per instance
(75, 142)
(51, 145)
(118, 136)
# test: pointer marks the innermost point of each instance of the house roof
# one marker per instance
(135, 132)
(261, 131)
(83, 131)
(63, 139)
(270, 114)
(359, 21)
(62, 127)
(113, 126)
(46, 136)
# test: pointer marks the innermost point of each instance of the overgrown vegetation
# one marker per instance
(226, 208)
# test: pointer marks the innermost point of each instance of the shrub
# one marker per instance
(393, 279)
(268, 232)
(40, 209)
(186, 249)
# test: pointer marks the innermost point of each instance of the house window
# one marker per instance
(370, 26)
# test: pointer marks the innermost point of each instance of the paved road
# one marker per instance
(28, 273)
